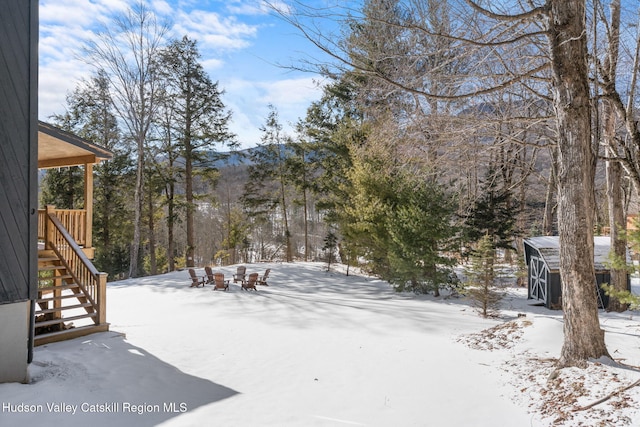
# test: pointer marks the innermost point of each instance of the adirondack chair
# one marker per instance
(219, 281)
(209, 273)
(240, 275)
(263, 280)
(251, 282)
(195, 280)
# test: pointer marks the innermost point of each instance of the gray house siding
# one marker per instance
(18, 150)
(18, 185)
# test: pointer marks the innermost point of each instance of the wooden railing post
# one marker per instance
(88, 205)
(101, 295)
(48, 227)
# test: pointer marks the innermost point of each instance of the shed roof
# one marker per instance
(549, 249)
(57, 148)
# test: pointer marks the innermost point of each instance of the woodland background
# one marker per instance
(421, 145)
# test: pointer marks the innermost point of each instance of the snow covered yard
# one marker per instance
(319, 349)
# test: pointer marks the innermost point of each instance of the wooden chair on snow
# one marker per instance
(240, 275)
(209, 274)
(219, 282)
(195, 280)
(263, 280)
(251, 282)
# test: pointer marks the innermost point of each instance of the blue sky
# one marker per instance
(240, 43)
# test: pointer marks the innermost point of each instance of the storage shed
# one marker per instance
(542, 256)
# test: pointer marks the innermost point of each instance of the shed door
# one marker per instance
(538, 276)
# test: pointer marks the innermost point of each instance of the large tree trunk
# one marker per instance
(615, 193)
(306, 224)
(550, 198)
(171, 245)
(153, 263)
(188, 181)
(191, 247)
(583, 338)
(137, 220)
(617, 211)
(618, 225)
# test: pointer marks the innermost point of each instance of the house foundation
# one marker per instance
(14, 330)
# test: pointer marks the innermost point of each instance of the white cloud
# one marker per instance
(249, 102)
(231, 46)
(162, 7)
(258, 7)
(57, 78)
(280, 6)
(74, 13)
(223, 42)
(210, 64)
(58, 13)
(214, 30)
(290, 91)
(60, 45)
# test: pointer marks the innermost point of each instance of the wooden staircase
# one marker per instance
(64, 310)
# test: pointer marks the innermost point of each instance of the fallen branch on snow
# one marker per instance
(620, 362)
(604, 399)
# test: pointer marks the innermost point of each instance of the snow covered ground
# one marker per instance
(320, 349)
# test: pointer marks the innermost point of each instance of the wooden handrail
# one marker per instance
(89, 279)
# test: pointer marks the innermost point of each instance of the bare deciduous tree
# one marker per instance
(583, 338)
(125, 50)
(614, 173)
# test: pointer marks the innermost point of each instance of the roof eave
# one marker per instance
(85, 151)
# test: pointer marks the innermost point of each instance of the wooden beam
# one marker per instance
(69, 161)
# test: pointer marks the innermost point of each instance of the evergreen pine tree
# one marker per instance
(421, 234)
(492, 214)
(90, 115)
(481, 278)
(63, 188)
(269, 181)
(199, 121)
(330, 244)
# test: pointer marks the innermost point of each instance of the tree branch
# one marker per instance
(534, 13)
(604, 399)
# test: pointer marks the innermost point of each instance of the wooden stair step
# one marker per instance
(68, 334)
(64, 320)
(60, 287)
(58, 298)
(61, 277)
(64, 307)
(48, 258)
(52, 268)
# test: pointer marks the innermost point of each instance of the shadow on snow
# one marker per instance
(110, 382)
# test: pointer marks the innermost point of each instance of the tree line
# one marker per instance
(549, 72)
(445, 124)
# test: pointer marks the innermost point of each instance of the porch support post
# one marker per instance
(48, 229)
(101, 318)
(88, 204)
